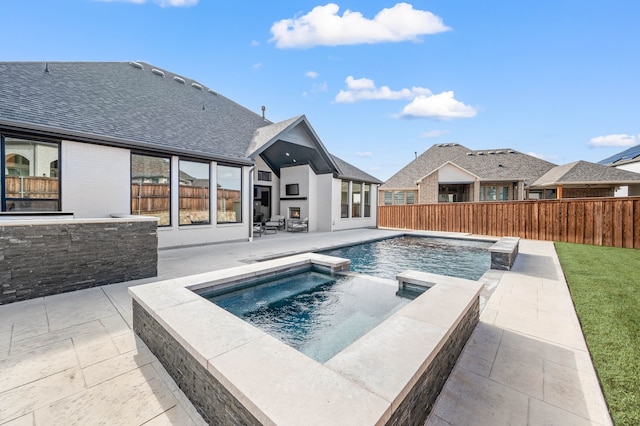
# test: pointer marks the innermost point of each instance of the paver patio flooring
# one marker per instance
(73, 358)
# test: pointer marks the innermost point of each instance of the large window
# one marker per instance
(367, 200)
(494, 193)
(344, 199)
(356, 199)
(388, 198)
(229, 208)
(151, 187)
(194, 193)
(30, 175)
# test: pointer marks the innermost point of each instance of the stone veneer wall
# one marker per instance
(218, 406)
(418, 403)
(56, 256)
(212, 400)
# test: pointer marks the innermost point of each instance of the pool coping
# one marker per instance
(365, 383)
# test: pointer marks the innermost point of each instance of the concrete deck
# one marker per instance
(73, 359)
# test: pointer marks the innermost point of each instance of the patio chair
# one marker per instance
(276, 221)
(299, 226)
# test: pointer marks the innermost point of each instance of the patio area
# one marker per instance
(73, 358)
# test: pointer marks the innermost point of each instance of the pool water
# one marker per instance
(316, 313)
(385, 258)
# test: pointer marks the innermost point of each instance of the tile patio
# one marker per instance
(73, 359)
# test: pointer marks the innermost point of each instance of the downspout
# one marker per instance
(251, 202)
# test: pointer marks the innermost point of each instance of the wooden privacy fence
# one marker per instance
(599, 221)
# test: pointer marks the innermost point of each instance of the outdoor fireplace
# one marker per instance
(294, 212)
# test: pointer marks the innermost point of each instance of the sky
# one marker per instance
(379, 81)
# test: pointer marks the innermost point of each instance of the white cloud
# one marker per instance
(433, 134)
(323, 26)
(365, 89)
(161, 3)
(364, 154)
(442, 106)
(258, 65)
(255, 43)
(546, 157)
(311, 74)
(615, 140)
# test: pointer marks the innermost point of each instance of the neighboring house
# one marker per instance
(454, 173)
(100, 139)
(628, 159)
(584, 179)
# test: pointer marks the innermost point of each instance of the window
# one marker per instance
(151, 187)
(229, 194)
(388, 198)
(494, 193)
(410, 197)
(344, 199)
(356, 194)
(30, 179)
(262, 175)
(503, 193)
(398, 197)
(194, 193)
(367, 200)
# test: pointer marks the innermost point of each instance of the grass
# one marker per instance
(605, 287)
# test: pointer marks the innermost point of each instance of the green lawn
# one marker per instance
(605, 287)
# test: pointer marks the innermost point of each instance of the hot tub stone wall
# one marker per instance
(212, 400)
(41, 259)
(415, 408)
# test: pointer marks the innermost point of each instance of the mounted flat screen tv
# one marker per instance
(292, 189)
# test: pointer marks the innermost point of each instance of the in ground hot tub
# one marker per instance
(235, 373)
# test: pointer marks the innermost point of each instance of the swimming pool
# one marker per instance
(318, 314)
(459, 258)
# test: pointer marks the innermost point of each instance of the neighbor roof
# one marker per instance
(488, 165)
(627, 156)
(586, 173)
(128, 104)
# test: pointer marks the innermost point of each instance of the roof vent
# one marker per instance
(481, 153)
(499, 152)
(469, 154)
(490, 152)
(213, 92)
(178, 79)
(136, 65)
(196, 85)
(511, 151)
(157, 72)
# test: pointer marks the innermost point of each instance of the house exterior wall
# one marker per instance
(326, 205)
(338, 223)
(95, 180)
(587, 192)
(629, 191)
(428, 189)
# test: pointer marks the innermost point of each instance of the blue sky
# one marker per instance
(378, 80)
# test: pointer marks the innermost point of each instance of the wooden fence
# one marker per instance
(599, 221)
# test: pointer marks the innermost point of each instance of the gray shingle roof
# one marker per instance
(426, 163)
(134, 106)
(488, 165)
(351, 172)
(586, 173)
